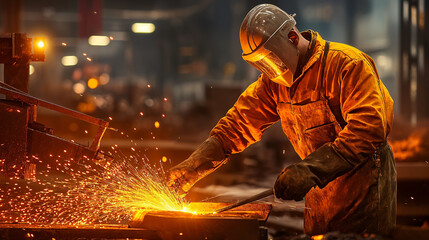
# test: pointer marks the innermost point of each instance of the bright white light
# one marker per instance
(98, 40)
(41, 44)
(69, 60)
(79, 88)
(31, 69)
(143, 28)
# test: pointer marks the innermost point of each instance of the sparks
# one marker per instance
(95, 193)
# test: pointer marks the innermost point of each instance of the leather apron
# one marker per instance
(364, 199)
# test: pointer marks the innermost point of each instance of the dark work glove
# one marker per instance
(204, 160)
(319, 168)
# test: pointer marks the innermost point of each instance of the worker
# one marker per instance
(334, 110)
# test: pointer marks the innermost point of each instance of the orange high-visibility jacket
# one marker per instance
(355, 95)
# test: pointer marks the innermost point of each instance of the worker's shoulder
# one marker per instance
(346, 52)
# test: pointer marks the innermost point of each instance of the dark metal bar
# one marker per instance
(258, 196)
(36, 101)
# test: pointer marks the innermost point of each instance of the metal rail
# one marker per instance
(16, 94)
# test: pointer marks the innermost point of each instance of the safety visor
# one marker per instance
(269, 64)
(266, 61)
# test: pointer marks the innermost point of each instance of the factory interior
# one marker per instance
(100, 98)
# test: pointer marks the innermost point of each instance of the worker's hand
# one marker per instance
(317, 169)
(182, 177)
(293, 183)
(204, 160)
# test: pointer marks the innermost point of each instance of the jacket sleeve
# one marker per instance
(366, 107)
(253, 112)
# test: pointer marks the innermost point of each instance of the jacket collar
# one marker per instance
(314, 52)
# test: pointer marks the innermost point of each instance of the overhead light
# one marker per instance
(69, 60)
(143, 28)
(95, 40)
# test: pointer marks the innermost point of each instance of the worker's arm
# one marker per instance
(244, 123)
(367, 109)
(254, 111)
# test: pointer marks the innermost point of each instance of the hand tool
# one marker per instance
(258, 196)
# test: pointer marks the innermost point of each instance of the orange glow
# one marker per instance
(40, 44)
(92, 83)
(156, 124)
(164, 159)
(411, 147)
(317, 237)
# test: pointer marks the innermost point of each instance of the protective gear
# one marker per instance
(351, 109)
(257, 28)
(204, 160)
(317, 169)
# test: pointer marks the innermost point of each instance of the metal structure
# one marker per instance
(244, 222)
(414, 68)
(24, 142)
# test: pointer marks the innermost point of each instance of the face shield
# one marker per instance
(268, 62)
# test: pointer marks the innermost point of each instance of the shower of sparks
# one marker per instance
(92, 193)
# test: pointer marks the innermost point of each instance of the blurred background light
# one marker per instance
(79, 88)
(31, 70)
(143, 28)
(104, 79)
(69, 60)
(96, 40)
(92, 83)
